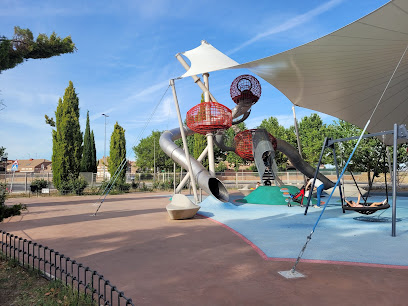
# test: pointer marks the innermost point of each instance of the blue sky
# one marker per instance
(125, 59)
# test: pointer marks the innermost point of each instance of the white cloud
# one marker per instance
(148, 91)
(290, 24)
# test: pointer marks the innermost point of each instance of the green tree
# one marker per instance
(231, 157)
(312, 132)
(117, 152)
(200, 143)
(67, 139)
(232, 132)
(272, 126)
(148, 151)
(235, 160)
(23, 47)
(368, 156)
(87, 152)
(94, 160)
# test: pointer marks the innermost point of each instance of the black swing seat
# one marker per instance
(367, 209)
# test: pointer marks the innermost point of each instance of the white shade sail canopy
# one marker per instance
(345, 73)
(206, 58)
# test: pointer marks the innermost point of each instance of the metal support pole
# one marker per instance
(154, 159)
(174, 178)
(210, 141)
(315, 176)
(185, 179)
(183, 136)
(389, 160)
(210, 146)
(394, 182)
(337, 173)
(25, 185)
(195, 78)
(298, 139)
(207, 86)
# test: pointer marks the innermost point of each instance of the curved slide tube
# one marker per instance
(300, 164)
(208, 183)
(292, 154)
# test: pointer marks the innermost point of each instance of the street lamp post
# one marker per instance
(104, 150)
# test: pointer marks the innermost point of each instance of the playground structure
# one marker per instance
(211, 118)
(342, 79)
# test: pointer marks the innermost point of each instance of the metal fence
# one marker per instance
(55, 265)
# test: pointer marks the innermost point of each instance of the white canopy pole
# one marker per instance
(195, 78)
(183, 136)
(210, 140)
(185, 179)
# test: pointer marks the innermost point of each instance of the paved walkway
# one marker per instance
(156, 261)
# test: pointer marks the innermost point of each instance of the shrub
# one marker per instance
(144, 187)
(166, 185)
(122, 186)
(221, 167)
(74, 185)
(135, 185)
(118, 186)
(8, 211)
(253, 168)
(38, 184)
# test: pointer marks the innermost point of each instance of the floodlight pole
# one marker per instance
(183, 136)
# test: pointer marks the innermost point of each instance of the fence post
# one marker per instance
(25, 185)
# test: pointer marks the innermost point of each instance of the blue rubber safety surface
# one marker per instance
(281, 231)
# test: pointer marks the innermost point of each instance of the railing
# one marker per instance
(55, 265)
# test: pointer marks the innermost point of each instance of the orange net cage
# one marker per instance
(208, 117)
(243, 144)
(245, 88)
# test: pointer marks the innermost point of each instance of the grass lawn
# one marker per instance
(21, 287)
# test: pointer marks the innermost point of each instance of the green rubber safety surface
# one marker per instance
(272, 195)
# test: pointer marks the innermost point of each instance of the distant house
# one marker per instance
(102, 164)
(31, 165)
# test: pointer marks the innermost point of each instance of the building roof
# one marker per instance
(29, 164)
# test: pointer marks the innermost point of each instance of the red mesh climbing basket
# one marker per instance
(208, 117)
(245, 89)
(243, 144)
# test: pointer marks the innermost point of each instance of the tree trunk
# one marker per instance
(370, 183)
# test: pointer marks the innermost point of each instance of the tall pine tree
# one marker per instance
(67, 138)
(117, 152)
(94, 160)
(87, 154)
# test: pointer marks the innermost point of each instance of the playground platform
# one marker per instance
(228, 255)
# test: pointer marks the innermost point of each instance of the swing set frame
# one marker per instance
(399, 132)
